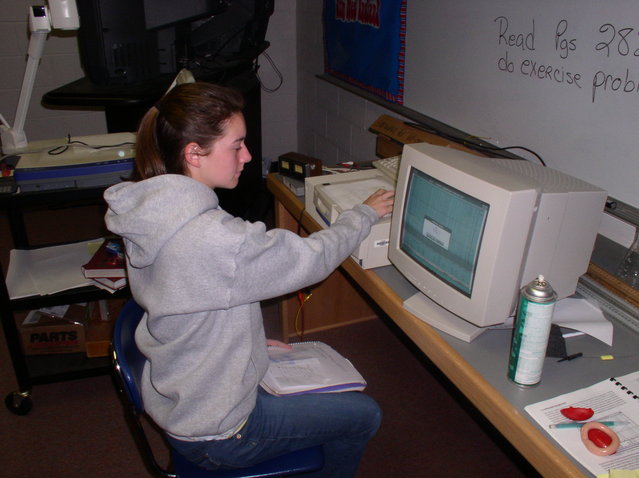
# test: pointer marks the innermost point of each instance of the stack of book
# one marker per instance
(107, 267)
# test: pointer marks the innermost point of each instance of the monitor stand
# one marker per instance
(433, 314)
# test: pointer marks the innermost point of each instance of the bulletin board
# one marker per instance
(364, 44)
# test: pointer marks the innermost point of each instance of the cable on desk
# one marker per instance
(467, 141)
(64, 147)
(523, 148)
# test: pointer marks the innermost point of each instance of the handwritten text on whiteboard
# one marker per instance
(521, 58)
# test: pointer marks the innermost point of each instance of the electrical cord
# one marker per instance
(477, 147)
(302, 296)
(300, 322)
(523, 148)
(64, 147)
(278, 73)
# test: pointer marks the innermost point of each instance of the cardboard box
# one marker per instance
(99, 329)
(45, 333)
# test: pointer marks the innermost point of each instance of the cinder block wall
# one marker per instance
(60, 65)
(333, 123)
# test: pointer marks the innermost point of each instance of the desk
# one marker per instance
(478, 369)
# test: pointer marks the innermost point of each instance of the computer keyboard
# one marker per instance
(388, 166)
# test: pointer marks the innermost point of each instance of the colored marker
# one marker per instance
(580, 424)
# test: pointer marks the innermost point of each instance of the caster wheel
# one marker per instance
(19, 403)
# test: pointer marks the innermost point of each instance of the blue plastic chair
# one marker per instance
(128, 363)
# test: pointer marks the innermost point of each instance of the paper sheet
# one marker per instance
(348, 194)
(610, 402)
(579, 314)
(47, 270)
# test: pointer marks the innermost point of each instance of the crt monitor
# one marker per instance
(129, 41)
(468, 232)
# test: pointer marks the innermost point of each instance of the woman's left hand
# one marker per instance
(277, 343)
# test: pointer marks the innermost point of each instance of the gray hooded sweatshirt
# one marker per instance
(199, 273)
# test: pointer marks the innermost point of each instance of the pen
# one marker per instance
(571, 357)
(580, 424)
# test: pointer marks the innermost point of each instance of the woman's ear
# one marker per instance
(192, 153)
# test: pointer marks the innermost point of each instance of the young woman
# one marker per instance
(200, 275)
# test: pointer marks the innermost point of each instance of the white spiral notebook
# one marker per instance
(615, 400)
(310, 367)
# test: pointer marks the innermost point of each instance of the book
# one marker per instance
(108, 261)
(112, 283)
(613, 400)
(310, 367)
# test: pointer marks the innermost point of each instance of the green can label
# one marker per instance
(530, 339)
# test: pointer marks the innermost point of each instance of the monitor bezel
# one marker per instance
(511, 199)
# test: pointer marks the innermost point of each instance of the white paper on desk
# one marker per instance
(579, 314)
(610, 402)
(351, 193)
(47, 270)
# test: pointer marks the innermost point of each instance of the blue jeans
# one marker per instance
(341, 422)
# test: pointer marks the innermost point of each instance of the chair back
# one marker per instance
(127, 358)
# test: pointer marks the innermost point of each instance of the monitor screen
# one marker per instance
(442, 230)
(468, 232)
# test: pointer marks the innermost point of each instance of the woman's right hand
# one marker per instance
(382, 201)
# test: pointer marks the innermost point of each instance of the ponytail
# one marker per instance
(148, 159)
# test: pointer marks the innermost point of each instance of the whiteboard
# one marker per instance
(558, 77)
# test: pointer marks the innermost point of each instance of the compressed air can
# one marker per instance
(532, 329)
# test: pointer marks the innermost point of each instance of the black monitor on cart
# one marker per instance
(131, 41)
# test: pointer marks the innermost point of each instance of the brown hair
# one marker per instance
(192, 112)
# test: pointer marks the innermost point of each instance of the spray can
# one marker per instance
(532, 328)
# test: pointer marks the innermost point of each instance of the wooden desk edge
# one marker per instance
(543, 453)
